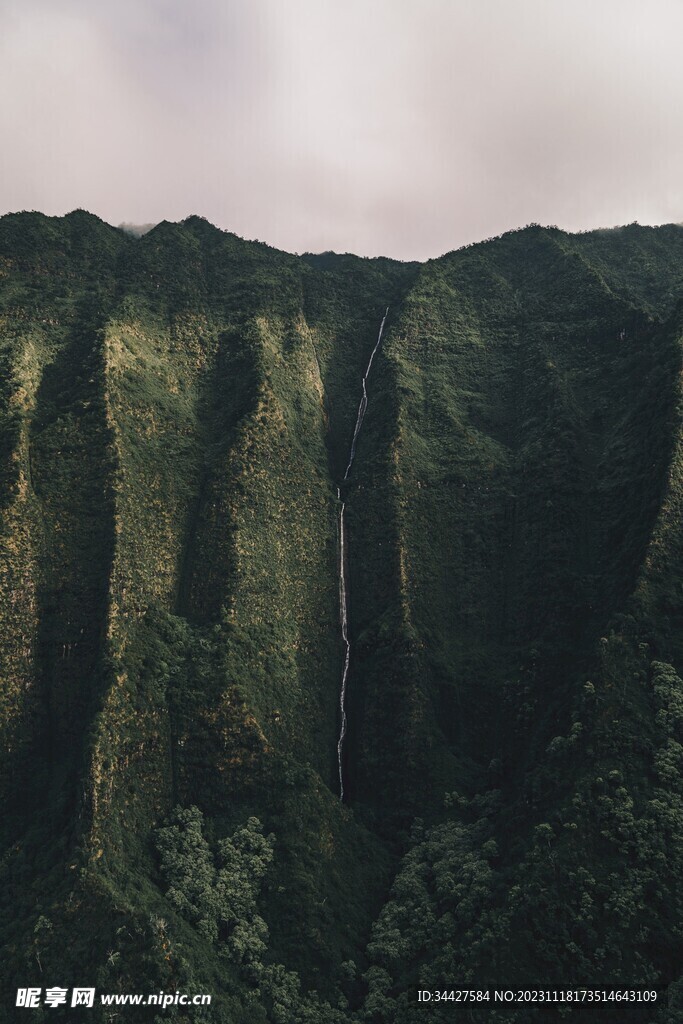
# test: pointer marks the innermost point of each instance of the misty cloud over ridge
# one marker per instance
(136, 229)
(375, 126)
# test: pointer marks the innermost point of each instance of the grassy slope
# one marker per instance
(190, 533)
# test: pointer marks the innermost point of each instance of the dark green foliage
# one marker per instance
(187, 866)
(221, 900)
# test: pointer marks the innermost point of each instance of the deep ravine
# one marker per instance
(343, 563)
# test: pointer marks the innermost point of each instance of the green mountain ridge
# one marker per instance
(176, 411)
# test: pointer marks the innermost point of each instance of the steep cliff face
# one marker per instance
(176, 418)
(535, 478)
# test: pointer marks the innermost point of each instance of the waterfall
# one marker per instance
(343, 558)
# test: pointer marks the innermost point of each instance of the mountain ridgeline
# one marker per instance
(176, 416)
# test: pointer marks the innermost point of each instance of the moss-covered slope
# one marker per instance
(176, 413)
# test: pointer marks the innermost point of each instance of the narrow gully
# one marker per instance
(343, 558)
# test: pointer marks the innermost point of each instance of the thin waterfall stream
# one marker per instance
(343, 580)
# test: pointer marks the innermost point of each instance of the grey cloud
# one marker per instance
(137, 230)
(403, 127)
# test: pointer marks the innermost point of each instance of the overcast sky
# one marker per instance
(396, 127)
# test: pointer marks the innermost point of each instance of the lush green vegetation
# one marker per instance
(175, 416)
